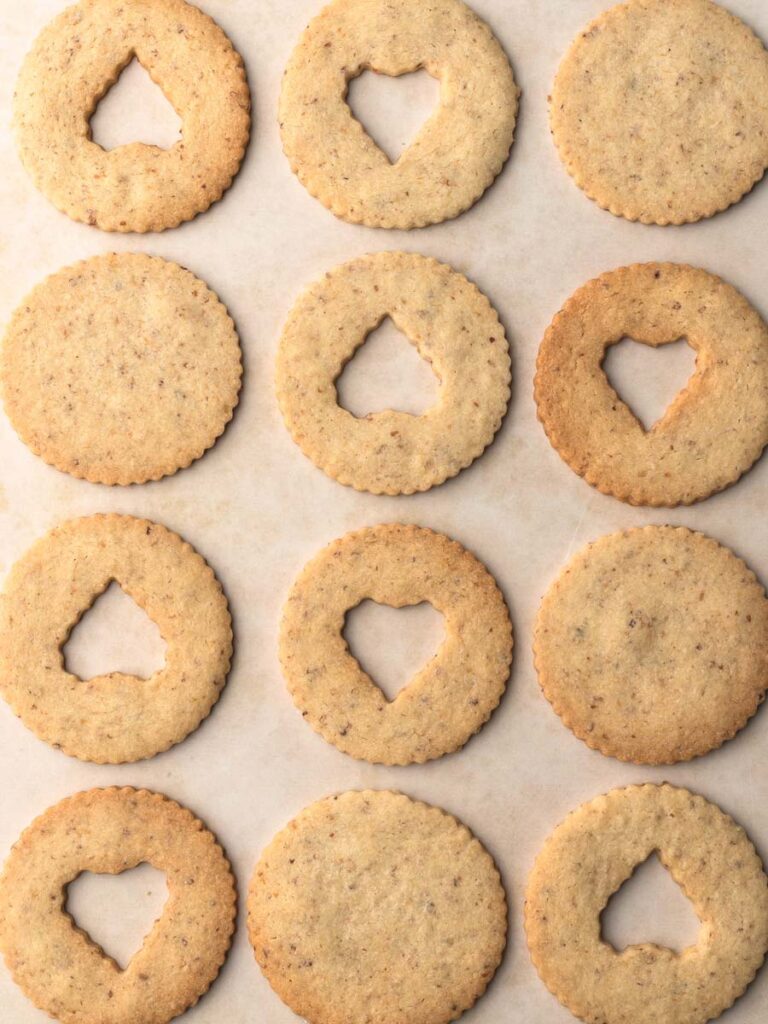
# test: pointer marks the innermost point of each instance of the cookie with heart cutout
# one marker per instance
(713, 431)
(450, 698)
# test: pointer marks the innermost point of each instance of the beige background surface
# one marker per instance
(257, 509)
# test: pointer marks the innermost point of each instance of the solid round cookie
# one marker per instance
(590, 856)
(450, 698)
(652, 645)
(453, 327)
(120, 369)
(659, 110)
(137, 187)
(59, 967)
(715, 428)
(370, 906)
(458, 151)
(112, 718)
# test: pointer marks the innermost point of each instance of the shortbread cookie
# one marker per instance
(660, 110)
(59, 967)
(459, 150)
(370, 906)
(452, 326)
(590, 856)
(120, 369)
(652, 646)
(716, 427)
(450, 698)
(115, 717)
(75, 61)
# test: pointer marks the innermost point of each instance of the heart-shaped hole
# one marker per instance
(135, 109)
(118, 911)
(387, 372)
(393, 644)
(650, 908)
(114, 635)
(647, 379)
(393, 109)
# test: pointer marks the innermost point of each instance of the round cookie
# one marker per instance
(450, 698)
(370, 906)
(138, 187)
(452, 326)
(659, 110)
(120, 369)
(652, 645)
(589, 857)
(108, 831)
(112, 718)
(715, 428)
(458, 151)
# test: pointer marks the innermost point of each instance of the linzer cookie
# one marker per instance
(138, 187)
(115, 717)
(58, 966)
(590, 856)
(373, 907)
(652, 645)
(450, 698)
(458, 151)
(659, 110)
(120, 369)
(715, 428)
(453, 327)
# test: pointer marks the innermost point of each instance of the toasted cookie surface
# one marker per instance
(660, 110)
(652, 645)
(120, 369)
(371, 906)
(108, 831)
(137, 187)
(453, 327)
(715, 428)
(115, 717)
(589, 857)
(459, 150)
(450, 698)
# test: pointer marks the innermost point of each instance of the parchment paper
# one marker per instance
(257, 509)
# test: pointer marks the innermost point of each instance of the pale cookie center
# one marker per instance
(135, 109)
(387, 373)
(648, 379)
(650, 908)
(393, 644)
(393, 109)
(118, 911)
(114, 635)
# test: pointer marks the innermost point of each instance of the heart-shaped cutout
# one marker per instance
(650, 907)
(393, 109)
(387, 372)
(393, 644)
(135, 109)
(648, 379)
(114, 635)
(118, 911)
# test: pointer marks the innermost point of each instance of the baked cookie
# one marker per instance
(659, 110)
(716, 427)
(373, 907)
(460, 148)
(108, 831)
(452, 326)
(120, 369)
(450, 698)
(652, 645)
(77, 58)
(112, 718)
(590, 856)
